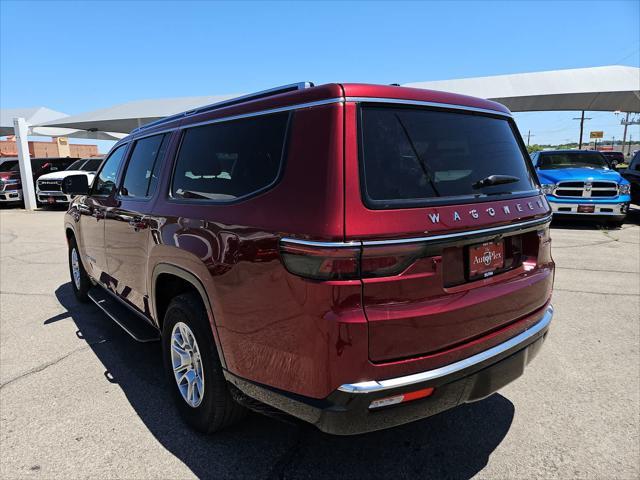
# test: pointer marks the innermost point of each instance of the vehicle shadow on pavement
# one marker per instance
(455, 444)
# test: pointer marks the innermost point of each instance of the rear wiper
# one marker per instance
(421, 162)
(495, 180)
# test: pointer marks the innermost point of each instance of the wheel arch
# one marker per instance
(183, 281)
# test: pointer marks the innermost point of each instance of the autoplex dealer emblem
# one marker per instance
(489, 212)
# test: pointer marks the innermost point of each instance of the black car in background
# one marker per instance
(632, 173)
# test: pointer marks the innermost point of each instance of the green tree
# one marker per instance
(534, 148)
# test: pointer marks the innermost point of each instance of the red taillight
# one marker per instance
(321, 263)
(385, 261)
(402, 398)
(349, 262)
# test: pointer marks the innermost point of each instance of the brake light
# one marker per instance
(349, 262)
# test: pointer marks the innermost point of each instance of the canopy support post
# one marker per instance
(24, 161)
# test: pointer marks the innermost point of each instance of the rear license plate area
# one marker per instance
(485, 259)
(586, 208)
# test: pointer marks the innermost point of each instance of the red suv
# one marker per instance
(357, 256)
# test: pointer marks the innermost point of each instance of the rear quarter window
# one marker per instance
(230, 160)
(414, 157)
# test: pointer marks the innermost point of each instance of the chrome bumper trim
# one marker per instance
(434, 238)
(381, 385)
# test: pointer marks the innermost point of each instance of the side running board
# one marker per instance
(138, 328)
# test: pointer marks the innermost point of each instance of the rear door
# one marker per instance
(127, 222)
(93, 209)
(447, 206)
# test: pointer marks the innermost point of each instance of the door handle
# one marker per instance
(98, 213)
(138, 223)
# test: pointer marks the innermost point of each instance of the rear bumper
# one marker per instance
(346, 411)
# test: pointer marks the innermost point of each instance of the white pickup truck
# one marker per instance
(49, 186)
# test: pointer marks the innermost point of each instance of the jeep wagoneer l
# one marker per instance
(356, 256)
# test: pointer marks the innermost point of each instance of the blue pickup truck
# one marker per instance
(580, 182)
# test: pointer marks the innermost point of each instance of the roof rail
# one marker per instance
(232, 101)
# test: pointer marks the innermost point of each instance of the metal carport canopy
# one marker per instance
(611, 88)
(128, 116)
(600, 88)
(37, 115)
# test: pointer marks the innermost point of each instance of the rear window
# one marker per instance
(414, 157)
(229, 160)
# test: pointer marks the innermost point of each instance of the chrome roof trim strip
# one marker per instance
(267, 112)
(420, 103)
(381, 385)
(228, 102)
(242, 115)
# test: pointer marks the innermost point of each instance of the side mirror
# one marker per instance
(75, 185)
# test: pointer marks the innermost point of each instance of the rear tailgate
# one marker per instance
(422, 292)
(439, 300)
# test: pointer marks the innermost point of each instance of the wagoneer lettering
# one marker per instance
(356, 256)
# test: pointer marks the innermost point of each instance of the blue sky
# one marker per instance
(79, 56)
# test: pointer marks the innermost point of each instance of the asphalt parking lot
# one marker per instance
(80, 399)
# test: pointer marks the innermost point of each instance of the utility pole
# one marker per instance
(626, 122)
(582, 119)
(529, 137)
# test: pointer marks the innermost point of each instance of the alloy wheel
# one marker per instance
(187, 364)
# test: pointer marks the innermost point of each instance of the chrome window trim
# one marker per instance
(433, 238)
(228, 102)
(420, 103)
(242, 115)
(264, 112)
(381, 385)
(448, 236)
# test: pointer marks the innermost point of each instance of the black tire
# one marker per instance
(80, 288)
(615, 224)
(217, 408)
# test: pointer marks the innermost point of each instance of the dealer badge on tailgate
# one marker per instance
(485, 259)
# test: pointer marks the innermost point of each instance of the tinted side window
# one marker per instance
(140, 179)
(105, 182)
(226, 161)
(91, 165)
